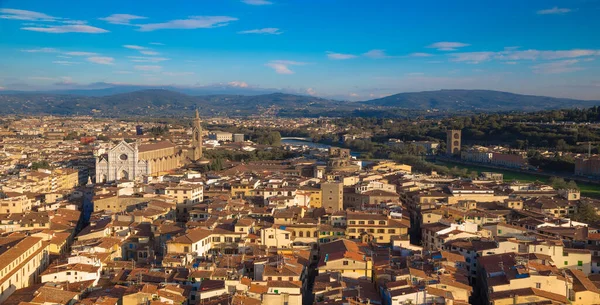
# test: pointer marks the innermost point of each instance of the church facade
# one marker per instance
(130, 161)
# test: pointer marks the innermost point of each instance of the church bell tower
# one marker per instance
(197, 138)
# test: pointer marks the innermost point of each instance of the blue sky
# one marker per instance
(343, 49)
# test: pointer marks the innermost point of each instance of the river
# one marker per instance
(297, 142)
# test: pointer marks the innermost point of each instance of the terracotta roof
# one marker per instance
(155, 146)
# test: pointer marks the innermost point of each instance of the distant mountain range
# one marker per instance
(476, 100)
(127, 101)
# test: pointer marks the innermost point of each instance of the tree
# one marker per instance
(71, 136)
(572, 185)
(216, 164)
(40, 164)
(586, 213)
(558, 183)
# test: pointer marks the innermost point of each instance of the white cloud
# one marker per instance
(271, 31)
(447, 45)
(41, 78)
(377, 54)
(257, 2)
(122, 72)
(238, 84)
(60, 29)
(352, 94)
(101, 60)
(193, 22)
(152, 53)
(2, 88)
(62, 56)
(339, 56)
(311, 91)
(16, 14)
(65, 80)
(64, 62)
(41, 50)
(141, 49)
(147, 59)
(80, 53)
(178, 73)
(157, 43)
(472, 57)
(477, 57)
(148, 68)
(510, 62)
(568, 53)
(282, 66)
(123, 19)
(420, 54)
(74, 21)
(556, 67)
(134, 47)
(554, 11)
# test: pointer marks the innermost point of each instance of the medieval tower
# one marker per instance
(196, 139)
(453, 142)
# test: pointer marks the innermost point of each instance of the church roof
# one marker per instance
(155, 146)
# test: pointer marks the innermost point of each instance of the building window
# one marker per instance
(566, 263)
(345, 263)
(499, 231)
(579, 263)
(538, 285)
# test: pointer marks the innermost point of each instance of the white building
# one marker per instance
(276, 237)
(72, 273)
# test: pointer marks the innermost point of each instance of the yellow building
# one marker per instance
(66, 178)
(376, 227)
(584, 290)
(22, 260)
(314, 194)
(15, 203)
(244, 188)
(346, 257)
(392, 166)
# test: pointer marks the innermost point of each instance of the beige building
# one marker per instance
(332, 196)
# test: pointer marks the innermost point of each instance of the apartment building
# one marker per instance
(15, 203)
(22, 260)
(378, 228)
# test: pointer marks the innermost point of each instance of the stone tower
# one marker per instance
(196, 138)
(453, 139)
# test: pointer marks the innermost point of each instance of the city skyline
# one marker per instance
(345, 50)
